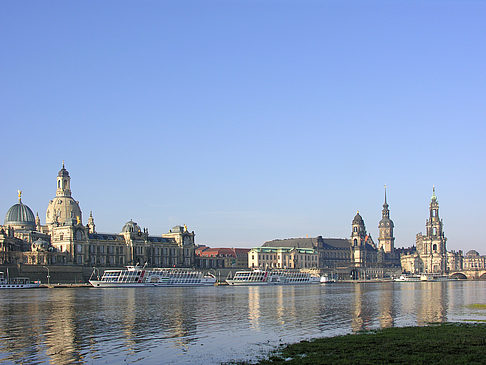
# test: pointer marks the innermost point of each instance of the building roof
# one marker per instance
(293, 242)
(283, 249)
(336, 243)
(19, 214)
(312, 242)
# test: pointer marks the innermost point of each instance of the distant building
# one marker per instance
(430, 254)
(283, 258)
(208, 257)
(473, 261)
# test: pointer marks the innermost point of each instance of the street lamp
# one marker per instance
(48, 275)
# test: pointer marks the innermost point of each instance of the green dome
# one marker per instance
(19, 214)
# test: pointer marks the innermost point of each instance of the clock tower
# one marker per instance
(386, 241)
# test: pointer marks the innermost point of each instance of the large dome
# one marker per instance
(131, 226)
(19, 215)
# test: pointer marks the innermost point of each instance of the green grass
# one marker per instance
(476, 306)
(449, 343)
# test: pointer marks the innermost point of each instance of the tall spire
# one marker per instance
(20, 196)
(385, 198)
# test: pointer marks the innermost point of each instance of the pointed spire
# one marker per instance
(20, 196)
(62, 163)
(434, 197)
(385, 193)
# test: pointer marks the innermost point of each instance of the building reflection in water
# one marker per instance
(433, 303)
(386, 306)
(254, 307)
(357, 323)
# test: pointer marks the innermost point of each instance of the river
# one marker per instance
(211, 325)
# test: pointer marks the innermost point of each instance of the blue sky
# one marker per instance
(248, 120)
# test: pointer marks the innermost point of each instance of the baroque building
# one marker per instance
(430, 253)
(65, 240)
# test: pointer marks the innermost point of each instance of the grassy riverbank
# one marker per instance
(450, 343)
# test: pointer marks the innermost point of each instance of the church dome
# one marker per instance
(358, 219)
(131, 226)
(19, 214)
(63, 172)
(472, 253)
(40, 245)
(386, 222)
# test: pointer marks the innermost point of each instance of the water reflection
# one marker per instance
(210, 325)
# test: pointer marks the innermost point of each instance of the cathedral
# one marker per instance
(430, 253)
(64, 239)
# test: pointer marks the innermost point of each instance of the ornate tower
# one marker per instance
(63, 209)
(431, 247)
(359, 231)
(434, 228)
(91, 224)
(63, 182)
(386, 241)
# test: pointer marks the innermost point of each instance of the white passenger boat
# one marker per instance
(134, 276)
(406, 278)
(17, 283)
(273, 277)
(327, 280)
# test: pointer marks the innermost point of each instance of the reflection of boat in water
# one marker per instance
(327, 280)
(408, 278)
(134, 276)
(17, 283)
(273, 277)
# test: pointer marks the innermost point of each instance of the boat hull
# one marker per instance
(19, 286)
(104, 284)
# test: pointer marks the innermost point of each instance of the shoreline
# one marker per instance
(444, 343)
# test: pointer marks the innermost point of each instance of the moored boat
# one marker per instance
(272, 277)
(327, 280)
(17, 283)
(407, 278)
(134, 276)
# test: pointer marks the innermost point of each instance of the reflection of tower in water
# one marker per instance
(357, 323)
(432, 305)
(386, 305)
(61, 338)
(254, 306)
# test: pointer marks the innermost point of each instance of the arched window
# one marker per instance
(434, 247)
(355, 230)
(355, 242)
(59, 183)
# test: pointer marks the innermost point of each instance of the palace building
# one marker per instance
(64, 239)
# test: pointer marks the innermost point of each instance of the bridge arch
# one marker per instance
(459, 275)
(483, 276)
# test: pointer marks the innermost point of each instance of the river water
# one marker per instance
(212, 325)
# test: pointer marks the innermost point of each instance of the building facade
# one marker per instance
(65, 240)
(283, 258)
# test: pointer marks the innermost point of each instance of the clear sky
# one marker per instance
(248, 120)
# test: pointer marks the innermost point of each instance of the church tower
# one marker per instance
(386, 241)
(63, 182)
(63, 209)
(431, 247)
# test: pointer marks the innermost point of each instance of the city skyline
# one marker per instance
(249, 121)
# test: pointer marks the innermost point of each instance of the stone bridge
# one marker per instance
(479, 274)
